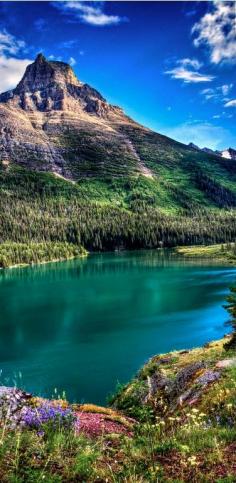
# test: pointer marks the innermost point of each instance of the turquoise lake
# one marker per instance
(82, 326)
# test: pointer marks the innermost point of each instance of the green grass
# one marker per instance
(222, 252)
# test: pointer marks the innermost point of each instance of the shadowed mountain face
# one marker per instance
(53, 122)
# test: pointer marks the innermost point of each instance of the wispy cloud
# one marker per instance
(72, 61)
(217, 30)
(9, 44)
(203, 134)
(187, 70)
(11, 67)
(67, 44)
(231, 103)
(218, 94)
(91, 13)
(222, 115)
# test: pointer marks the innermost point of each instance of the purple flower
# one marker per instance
(55, 416)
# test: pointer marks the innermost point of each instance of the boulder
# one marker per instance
(226, 363)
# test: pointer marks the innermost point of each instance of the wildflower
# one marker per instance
(35, 418)
(195, 410)
(229, 406)
(192, 460)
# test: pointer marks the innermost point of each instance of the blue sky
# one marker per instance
(170, 65)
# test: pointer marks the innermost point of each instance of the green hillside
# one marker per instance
(177, 206)
(116, 184)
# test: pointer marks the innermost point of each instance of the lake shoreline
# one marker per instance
(188, 252)
(44, 262)
(38, 253)
(221, 253)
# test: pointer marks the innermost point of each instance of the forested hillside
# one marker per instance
(107, 214)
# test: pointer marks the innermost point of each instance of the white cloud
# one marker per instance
(203, 134)
(72, 61)
(52, 57)
(11, 68)
(191, 63)
(231, 103)
(226, 88)
(187, 70)
(91, 13)
(9, 44)
(12, 71)
(217, 30)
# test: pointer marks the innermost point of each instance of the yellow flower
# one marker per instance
(192, 460)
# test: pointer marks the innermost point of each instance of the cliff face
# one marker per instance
(51, 121)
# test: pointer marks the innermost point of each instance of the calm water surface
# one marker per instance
(83, 325)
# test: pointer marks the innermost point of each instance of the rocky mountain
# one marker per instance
(52, 122)
(229, 153)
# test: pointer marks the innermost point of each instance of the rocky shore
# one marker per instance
(175, 421)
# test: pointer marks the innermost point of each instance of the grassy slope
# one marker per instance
(170, 442)
(224, 253)
(180, 170)
(182, 178)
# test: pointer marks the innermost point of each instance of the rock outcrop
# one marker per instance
(54, 122)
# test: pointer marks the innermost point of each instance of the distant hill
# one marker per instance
(228, 153)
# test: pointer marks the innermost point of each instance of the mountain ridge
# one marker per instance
(52, 121)
(54, 126)
(228, 153)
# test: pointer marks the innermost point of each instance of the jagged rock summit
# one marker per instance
(54, 122)
(51, 85)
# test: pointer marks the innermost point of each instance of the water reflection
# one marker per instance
(81, 325)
